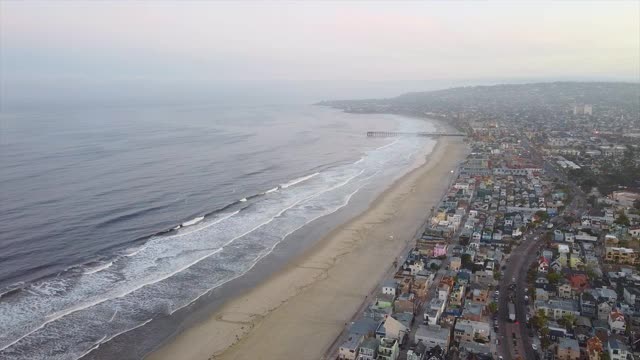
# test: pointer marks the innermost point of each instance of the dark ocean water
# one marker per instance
(113, 216)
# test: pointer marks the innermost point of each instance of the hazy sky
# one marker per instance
(86, 45)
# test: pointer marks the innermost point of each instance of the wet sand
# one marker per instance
(298, 312)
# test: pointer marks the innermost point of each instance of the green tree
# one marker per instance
(554, 278)
(542, 215)
(622, 219)
(567, 320)
(466, 261)
(493, 307)
(545, 341)
(539, 320)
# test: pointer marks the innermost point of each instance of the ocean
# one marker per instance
(116, 219)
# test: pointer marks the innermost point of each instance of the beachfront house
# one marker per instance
(392, 328)
(368, 349)
(389, 287)
(349, 349)
(404, 303)
(388, 349)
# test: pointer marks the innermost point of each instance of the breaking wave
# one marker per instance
(71, 315)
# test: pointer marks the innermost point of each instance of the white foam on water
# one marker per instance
(193, 221)
(133, 251)
(272, 190)
(98, 268)
(171, 268)
(114, 315)
(205, 225)
(243, 200)
(272, 248)
(298, 180)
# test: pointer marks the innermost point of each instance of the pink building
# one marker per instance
(440, 250)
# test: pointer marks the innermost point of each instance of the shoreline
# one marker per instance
(307, 303)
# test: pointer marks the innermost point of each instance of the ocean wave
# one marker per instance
(97, 268)
(145, 274)
(13, 289)
(272, 190)
(222, 217)
(193, 221)
(299, 180)
(82, 306)
(255, 262)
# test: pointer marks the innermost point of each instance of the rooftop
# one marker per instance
(432, 331)
(565, 343)
(351, 343)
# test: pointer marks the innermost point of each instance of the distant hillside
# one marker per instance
(506, 100)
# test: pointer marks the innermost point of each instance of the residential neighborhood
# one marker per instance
(531, 254)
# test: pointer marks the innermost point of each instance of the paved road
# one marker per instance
(520, 259)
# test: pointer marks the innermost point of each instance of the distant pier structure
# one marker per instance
(409, 134)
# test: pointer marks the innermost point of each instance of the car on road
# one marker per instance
(534, 347)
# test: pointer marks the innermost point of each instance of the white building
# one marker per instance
(389, 287)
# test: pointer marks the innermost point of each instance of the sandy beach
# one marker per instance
(299, 311)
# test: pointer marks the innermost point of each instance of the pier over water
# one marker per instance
(411, 134)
